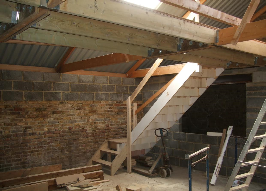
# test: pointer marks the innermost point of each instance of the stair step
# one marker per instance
(110, 151)
(260, 137)
(250, 163)
(104, 162)
(256, 150)
(239, 187)
(119, 141)
(243, 176)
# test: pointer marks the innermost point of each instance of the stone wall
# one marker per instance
(50, 118)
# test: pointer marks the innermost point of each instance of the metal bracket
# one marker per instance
(153, 52)
(15, 17)
(189, 45)
(256, 60)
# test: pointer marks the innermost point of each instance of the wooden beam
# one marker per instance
(136, 17)
(54, 3)
(26, 68)
(254, 30)
(228, 55)
(145, 79)
(70, 40)
(28, 42)
(135, 67)
(163, 70)
(204, 10)
(259, 13)
(106, 60)
(129, 134)
(94, 73)
(154, 96)
(64, 59)
(30, 171)
(42, 186)
(44, 176)
(135, 117)
(98, 29)
(246, 19)
(6, 9)
(188, 13)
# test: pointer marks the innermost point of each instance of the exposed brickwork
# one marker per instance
(58, 118)
(45, 133)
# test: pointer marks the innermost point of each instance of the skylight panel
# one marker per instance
(152, 4)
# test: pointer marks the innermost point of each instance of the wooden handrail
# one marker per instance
(154, 96)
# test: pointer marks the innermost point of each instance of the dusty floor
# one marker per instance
(177, 182)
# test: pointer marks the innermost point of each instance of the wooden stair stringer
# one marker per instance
(166, 96)
(97, 154)
(119, 159)
(169, 114)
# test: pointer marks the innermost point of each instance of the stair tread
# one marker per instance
(103, 162)
(243, 175)
(256, 150)
(122, 140)
(260, 137)
(239, 187)
(110, 151)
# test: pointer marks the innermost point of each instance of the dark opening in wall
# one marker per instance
(219, 107)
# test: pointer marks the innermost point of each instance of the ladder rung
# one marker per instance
(263, 123)
(260, 137)
(256, 150)
(250, 163)
(239, 187)
(110, 151)
(243, 176)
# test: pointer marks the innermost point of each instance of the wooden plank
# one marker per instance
(23, 25)
(228, 55)
(119, 159)
(204, 10)
(64, 180)
(64, 59)
(26, 68)
(248, 33)
(97, 154)
(221, 156)
(163, 70)
(54, 3)
(33, 187)
(259, 13)
(246, 19)
(163, 99)
(27, 42)
(98, 29)
(6, 9)
(137, 17)
(135, 117)
(188, 13)
(154, 96)
(109, 59)
(129, 167)
(43, 176)
(145, 79)
(258, 48)
(30, 171)
(71, 40)
(135, 67)
(94, 73)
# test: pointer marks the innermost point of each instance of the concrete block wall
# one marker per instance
(50, 118)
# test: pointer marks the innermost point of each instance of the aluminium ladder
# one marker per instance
(246, 150)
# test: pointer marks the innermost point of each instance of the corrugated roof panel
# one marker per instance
(83, 54)
(31, 55)
(115, 68)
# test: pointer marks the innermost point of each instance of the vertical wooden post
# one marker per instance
(128, 135)
(135, 120)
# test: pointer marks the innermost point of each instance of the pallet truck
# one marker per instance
(166, 169)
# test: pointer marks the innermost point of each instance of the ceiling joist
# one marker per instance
(64, 59)
(204, 10)
(106, 60)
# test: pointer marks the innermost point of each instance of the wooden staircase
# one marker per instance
(111, 155)
(178, 97)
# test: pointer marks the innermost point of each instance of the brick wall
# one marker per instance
(48, 118)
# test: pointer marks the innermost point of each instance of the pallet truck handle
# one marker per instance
(162, 131)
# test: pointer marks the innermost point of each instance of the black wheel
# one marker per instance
(162, 172)
(169, 172)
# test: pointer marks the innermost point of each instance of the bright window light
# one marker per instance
(152, 4)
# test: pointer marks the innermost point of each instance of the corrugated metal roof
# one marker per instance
(125, 67)
(83, 54)
(31, 55)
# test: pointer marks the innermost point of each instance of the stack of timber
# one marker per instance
(47, 178)
(133, 162)
(144, 160)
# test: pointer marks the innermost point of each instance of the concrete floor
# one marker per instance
(177, 182)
